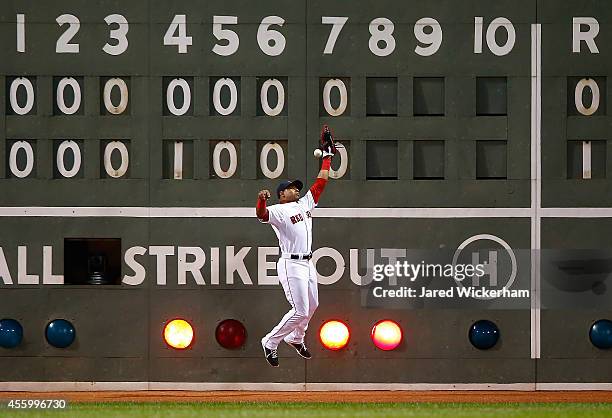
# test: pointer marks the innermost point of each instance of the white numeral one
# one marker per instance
(27, 148)
(580, 107)
(179, 23)
(233, 159)
(225, 34)
(178, 160)
(76, 152)
(27, 84)
(339, 84)
(341, 171)
(125, 160)
(338, 23)
(280, 158)
(182, 83)
(229, 83)
(433, 39)
(20, 32)
(385, 35)
(280, 90)
(123, 94)
(270, 41)
(68, 81)
(120, 34)
(586, 160)
(63, 45)
(497, 23)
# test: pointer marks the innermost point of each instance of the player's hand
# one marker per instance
(327, 144)
(264, 194)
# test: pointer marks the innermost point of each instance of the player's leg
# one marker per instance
(297, 336)
(296, 291)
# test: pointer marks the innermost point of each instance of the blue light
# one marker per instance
(11, 333)
(60, 333)
(484, 334)
(601, 334)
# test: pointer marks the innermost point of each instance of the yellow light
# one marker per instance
(386, 335)
(178, 334)
(334, 335)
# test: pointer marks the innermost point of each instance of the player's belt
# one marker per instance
(297, 256)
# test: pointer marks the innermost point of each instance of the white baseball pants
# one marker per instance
(299, 280)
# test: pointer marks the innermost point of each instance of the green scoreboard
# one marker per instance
(136, 135)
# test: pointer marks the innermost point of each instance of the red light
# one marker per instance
(386, 335)
(230, 334)
(334, 335)
(178, 334)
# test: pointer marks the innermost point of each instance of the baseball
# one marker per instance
(318, 153)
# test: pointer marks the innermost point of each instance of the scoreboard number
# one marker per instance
(27, 148)
(329, 85)
(338, 23)
(182, 41)
(433, 39)
(343, 167)
(120, 34)
(76, 152)
(233, 159)
(20, 32)
(63, 45)
(76, 104)
(229, 83)
(499, 22)
(280, 158)
(384, 35)
(108, 165)
(123, 94)
(280, 91)
(182, 83)
(271, 41)
(27, 85)
(225, 34)
(580, 86)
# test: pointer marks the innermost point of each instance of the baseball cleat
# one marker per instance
(301, 350)
(271, 356)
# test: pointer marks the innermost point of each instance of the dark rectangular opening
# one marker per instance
(92, 261)
(491, 160)
(381, 160)
(428, 160)
(491, 96)
(428, 96)
(381, 96)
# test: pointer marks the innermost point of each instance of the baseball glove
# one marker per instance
(326, 144)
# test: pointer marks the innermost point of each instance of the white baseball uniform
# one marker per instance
(292, 223)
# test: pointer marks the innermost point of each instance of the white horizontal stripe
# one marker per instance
(249, 212)
(269, 386)
(576, 212)
(422, 213)
(418, 386)
(71, 386)
(573, 386)
(282, 387)
(206, 386)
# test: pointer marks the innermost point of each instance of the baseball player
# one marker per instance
(291, 220)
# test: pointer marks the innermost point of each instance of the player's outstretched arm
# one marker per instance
(319, 185)
(260, 209)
